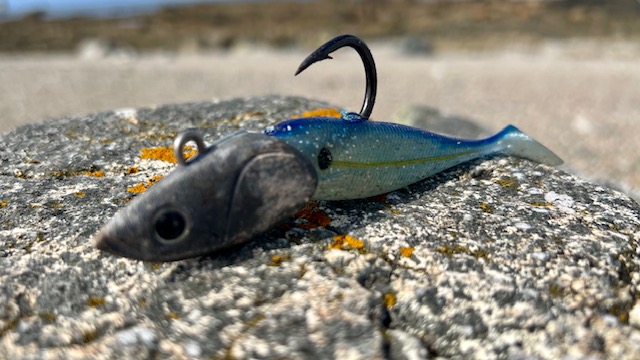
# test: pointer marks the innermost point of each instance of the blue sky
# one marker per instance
(95, 7)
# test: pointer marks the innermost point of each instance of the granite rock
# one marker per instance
(497, 258)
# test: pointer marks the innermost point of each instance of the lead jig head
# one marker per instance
(228, 193)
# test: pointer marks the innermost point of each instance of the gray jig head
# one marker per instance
(237, 188)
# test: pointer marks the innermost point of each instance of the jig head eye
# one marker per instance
(170, 225)
(181, 140)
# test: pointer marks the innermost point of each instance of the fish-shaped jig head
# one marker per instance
(237, 188)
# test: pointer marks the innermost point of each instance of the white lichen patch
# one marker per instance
(136, 335)
(127, 114)
(63, 191)
(563, 202)
(522, 226)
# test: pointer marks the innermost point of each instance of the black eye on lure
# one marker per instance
(237, 188)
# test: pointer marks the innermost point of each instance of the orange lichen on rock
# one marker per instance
(392, 210)
(165, 153)
(3, 203)
(277, 260)
(541, 204)
(406, 251)
(95, 301)
(329, 112)
(346, 242)
(138, 188)
(314, 216)
(173, 316)
(96, 173)
(486, 208)
(389, 300)
(70, 173)
(154, 179)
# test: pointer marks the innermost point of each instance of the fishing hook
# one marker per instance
(322, 53)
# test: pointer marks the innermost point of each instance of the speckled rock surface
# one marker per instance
(500, 258)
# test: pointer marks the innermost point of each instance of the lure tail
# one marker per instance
(515, 142)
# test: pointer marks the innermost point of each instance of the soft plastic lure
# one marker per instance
(357, 158)
(245, 183)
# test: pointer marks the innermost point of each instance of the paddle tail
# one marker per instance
(515, 142)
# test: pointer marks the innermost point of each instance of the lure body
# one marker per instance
(358, 158)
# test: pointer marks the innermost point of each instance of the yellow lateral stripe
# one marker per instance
(367, 164)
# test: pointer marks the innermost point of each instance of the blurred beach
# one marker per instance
(577, 94)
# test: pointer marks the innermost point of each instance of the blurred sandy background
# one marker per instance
(567, 73)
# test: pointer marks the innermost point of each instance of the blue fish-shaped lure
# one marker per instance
(357, 158)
